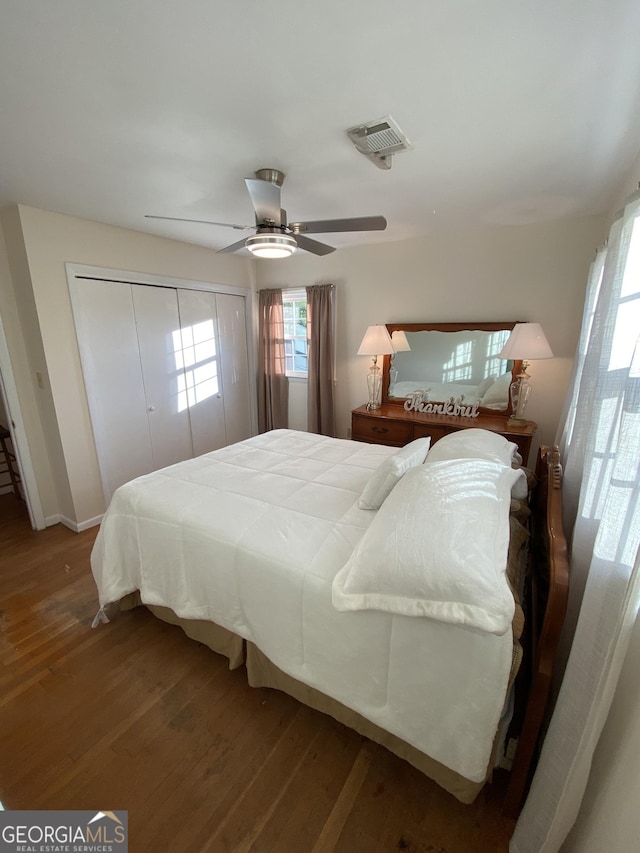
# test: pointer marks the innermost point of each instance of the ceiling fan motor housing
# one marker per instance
(273, 176)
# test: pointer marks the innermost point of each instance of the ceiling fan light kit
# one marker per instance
(274, 238)
(271, 245)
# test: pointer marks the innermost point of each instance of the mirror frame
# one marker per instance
(446, 327)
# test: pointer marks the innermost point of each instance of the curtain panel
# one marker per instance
(273, 389)
(321, 417)
(601, 442)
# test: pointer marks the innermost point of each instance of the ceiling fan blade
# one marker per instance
(266, 201)
(313, 246)
(233, 247)
(203, 221)
(325, 226)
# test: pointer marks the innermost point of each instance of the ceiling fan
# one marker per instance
(274, 237)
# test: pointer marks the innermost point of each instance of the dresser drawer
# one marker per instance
(433, 432)
(380, 431)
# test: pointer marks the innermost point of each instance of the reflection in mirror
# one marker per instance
(451, 362)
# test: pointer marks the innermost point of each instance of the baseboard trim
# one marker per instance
(50, 520)
(90, 522)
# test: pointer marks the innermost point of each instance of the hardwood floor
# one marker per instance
(134, 715)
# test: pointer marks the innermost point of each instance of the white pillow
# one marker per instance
(484, 386)
(437, 548)
(389, 473)
(473, 443)
(498, 394)
(520, 491)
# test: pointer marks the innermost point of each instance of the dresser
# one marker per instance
(395, 426)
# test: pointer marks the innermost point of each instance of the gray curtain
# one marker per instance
(273, 394)
(321, 416)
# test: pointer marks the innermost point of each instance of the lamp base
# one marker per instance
(374, 386)
(519, 392)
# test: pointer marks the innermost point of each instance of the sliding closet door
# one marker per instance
(199, 353)
(159, 339)
(235, 366)
(166, 380)
(108, 343)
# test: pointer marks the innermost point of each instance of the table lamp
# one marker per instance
(527, 342)
(376, 341)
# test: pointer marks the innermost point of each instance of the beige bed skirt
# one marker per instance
(262, 673)
(208, 633)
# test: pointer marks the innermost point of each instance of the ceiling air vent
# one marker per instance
(379, 140)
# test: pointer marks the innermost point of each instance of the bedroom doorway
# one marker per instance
(11, 412)
(11, 489)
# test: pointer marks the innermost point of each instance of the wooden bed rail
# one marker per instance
(548, 607)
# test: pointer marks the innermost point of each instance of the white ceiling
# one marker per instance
(518, 110)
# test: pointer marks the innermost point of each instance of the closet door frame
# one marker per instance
(84, 272)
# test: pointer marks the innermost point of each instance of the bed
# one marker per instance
(275, 552)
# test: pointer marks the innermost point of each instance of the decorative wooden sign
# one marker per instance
(451, 407)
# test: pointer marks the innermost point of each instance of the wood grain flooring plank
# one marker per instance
(333, 826)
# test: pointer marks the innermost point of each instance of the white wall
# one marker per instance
(48, 240)
(298, 404)
(534, 272)
(630, 185)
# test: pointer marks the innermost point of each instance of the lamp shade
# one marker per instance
(527, 341)
(376, 341)
(400, 342)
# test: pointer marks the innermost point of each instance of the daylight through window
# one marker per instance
(294, 306)
(196, 361)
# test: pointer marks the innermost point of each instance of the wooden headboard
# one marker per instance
(545, 611)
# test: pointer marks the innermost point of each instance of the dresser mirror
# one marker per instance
(446, 361)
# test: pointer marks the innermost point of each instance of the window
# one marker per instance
(614, 418)
(294, 306)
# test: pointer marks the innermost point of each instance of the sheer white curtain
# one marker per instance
(601, 442)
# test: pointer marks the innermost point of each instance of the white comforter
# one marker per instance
(251, 537)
